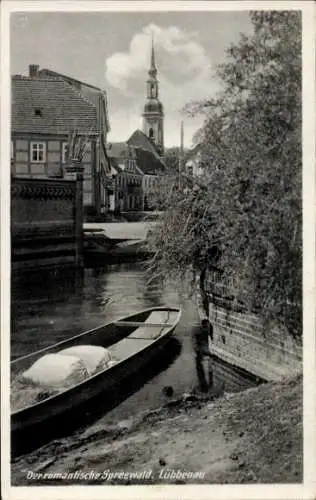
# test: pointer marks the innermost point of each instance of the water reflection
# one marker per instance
(204, 370)
(47, 309)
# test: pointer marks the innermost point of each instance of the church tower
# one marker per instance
(153, 111)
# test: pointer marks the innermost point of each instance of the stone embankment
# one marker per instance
(251, 437)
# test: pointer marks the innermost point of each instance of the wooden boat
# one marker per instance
(133, 341)
(117, 249)
(130, 248)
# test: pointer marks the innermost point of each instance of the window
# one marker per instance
(153, 91)
(64, 152)
(12, 150)
(38, 152)
(151, 133)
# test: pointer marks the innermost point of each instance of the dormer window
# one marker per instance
(38, 112)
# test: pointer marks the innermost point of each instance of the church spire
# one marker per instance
(153, 115)
(153, 69)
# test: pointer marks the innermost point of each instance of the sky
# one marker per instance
(112, 51)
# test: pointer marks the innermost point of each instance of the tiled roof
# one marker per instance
(95, 95)
(147, 162)
(139, 139)
(50, 73)
(61, 106)
(120, 150)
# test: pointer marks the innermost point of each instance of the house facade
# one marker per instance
(136, 165)
(149, 162)
(127, 177)
(46, 108)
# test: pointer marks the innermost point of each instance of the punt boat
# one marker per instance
(133, 341)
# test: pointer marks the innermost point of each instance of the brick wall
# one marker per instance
(42, 223)
(247, 341)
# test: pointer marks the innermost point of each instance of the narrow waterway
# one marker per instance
(46, 310)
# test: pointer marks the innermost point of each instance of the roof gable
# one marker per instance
(120, 150)
(62, 107)
(45, 72)
(95, 95)
(139, 139)
(147, 162)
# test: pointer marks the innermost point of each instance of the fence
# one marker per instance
(42, 223)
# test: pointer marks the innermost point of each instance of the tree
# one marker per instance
(248, 206)
(172, 159)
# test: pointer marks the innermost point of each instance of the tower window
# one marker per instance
(151, 133)
(153, 90)
(38, 112)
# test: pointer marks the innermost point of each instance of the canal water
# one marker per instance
(46, 310)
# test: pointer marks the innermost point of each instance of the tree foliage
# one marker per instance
(245, 215)
(161, 192)
(171, 158)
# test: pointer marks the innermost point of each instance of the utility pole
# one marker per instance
(181, 153)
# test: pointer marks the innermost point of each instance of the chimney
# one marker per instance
(33, 70)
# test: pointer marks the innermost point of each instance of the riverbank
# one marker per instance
(255, 436)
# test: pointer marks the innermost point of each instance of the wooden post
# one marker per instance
(79, 213)
(181, 153)
(77, 168)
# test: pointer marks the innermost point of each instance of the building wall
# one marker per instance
(53, 167)
(42, 223)
(129, 192)
(154, 122)
(128, 185)
(148, 184)
(99, 202)
(247, 341)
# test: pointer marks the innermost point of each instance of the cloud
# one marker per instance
(185, 71)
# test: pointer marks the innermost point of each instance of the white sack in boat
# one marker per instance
(54, 370)
(112, 362)
(95, 358)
